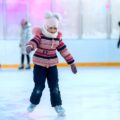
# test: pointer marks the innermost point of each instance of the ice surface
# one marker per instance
(91, 94)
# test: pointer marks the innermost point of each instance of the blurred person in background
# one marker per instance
(26, 35)
(118, 44)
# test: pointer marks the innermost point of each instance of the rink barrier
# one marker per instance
(111, 64)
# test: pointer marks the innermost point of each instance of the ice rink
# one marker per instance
(91, 94)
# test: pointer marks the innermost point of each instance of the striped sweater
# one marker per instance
(45, 54)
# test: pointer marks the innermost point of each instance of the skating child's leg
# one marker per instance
(39, 79)
(22, 62)
(28, 61)
(56, 102)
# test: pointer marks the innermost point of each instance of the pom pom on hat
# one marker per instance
(48, 15)
(57, 15)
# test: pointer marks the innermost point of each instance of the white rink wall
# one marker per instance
(84, 51)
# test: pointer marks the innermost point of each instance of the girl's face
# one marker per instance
(52, 30)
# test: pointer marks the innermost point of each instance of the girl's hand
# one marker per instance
(28, 49)
(73, 68)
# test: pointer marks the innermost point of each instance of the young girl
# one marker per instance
(46, 42)
(25, 37)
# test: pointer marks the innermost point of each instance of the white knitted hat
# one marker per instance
(52, 19)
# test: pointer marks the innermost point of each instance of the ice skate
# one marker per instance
(27, 67)
(31, 108)
(21, 67)
(60, 110)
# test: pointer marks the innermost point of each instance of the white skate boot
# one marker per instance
(31, 107)
(60, 110)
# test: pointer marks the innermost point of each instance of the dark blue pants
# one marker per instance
(40, 75)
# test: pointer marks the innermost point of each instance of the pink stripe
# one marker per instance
(32, 44)
(45, 62)
(61, 45)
